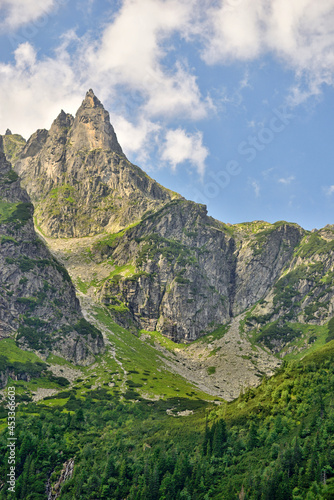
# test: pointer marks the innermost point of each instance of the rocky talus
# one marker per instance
(38, 305)
(224, 366)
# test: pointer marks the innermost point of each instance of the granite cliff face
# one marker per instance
(191, 272)
(38, 304)
(303, 294)
(80, 181)
(183, 273)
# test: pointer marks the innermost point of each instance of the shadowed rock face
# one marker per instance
(193, 273)
(37, 298)
(80, 181)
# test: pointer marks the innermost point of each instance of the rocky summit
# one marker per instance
(38, 304)
(79, 179)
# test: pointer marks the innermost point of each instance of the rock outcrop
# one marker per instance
(38, 304)
(304, 293)
(192, 272)
(13, 145)
(184, 273)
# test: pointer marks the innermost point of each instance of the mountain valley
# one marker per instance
(121, 299)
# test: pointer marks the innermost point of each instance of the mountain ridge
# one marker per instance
(166, 265)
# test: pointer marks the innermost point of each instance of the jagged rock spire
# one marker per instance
(10, 189)
(92, 128)
(4, 166)
(91, 101)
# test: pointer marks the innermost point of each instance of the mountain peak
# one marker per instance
(79, 179)
(91, 101)
(63, 120)
(92, 128)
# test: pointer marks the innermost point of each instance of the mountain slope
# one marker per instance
(80, 181)
(161, 264)
(37, 298)
(272, 443)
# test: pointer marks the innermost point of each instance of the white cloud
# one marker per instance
(286, 180)
(15, 13)
(31, 95)
(139, 139)
(133, 137)
(299, 33)
(25, 56)
(256, 186)
(233, 32)
(329, 190)
(131, 53)
(180, 147)
(178, 96)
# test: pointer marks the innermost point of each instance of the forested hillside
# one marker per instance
(272, 443)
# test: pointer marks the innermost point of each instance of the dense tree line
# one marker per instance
(273, 443)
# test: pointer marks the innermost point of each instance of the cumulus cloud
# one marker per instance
(139, 138)
(25, 56)
(233, 32)
(299, 33)
(180, 147)
(15, 13)
(30, 93)
(132, 50)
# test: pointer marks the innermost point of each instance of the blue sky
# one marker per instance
(229, 102)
